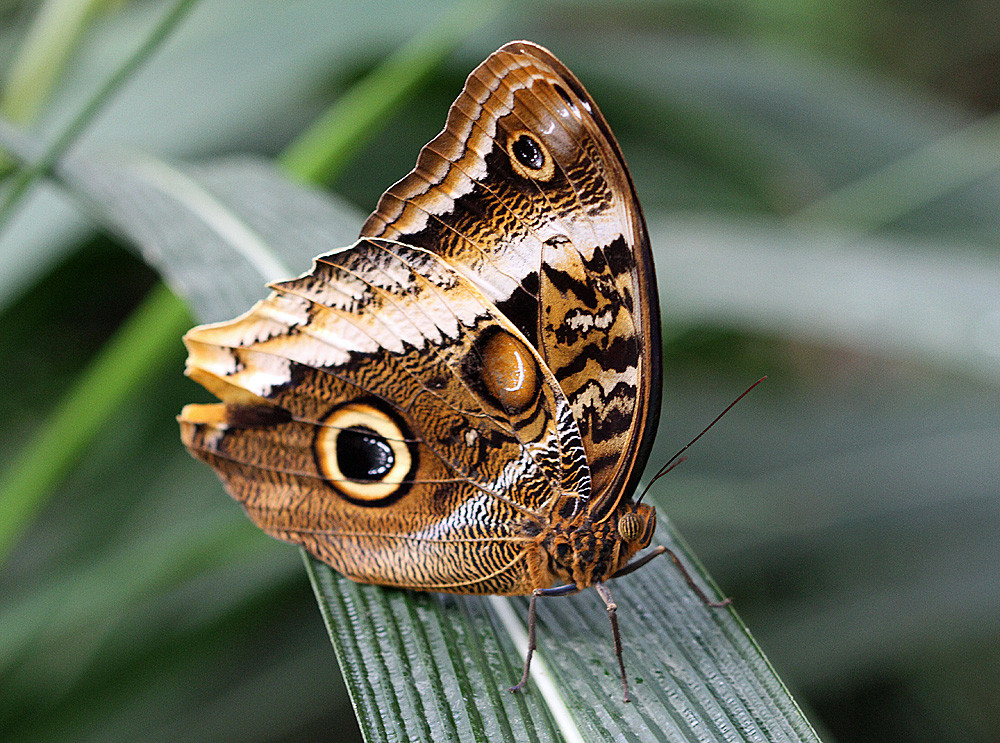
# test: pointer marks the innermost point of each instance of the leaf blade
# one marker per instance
(710, 682)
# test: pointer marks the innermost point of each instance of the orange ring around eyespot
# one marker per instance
(359, 415)
(548, 166)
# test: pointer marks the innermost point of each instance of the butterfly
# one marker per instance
(464, 399)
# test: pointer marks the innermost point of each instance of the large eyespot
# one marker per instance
(529, 157)
(504, 370)
(364, 454)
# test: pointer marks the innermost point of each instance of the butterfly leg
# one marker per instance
(636, 564)
(613, 616)
(565, 590)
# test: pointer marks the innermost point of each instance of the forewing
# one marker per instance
(526, 193)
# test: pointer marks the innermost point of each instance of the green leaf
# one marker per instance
(320, 153)
(26, 177)
(442, 664)
(803, 283)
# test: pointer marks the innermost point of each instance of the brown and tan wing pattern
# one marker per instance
(381, 412)
(525, 193)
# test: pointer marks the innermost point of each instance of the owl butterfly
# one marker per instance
(462, 400)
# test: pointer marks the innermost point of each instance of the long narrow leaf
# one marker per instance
(697, 675)
(938, 302)
(26, 177)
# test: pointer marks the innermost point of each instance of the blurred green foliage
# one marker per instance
(850, 506)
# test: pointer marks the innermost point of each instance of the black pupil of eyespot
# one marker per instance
(528, 153)
(363, 454)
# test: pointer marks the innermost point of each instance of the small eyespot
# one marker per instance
(529, 156)
(363, 454)
(528, 153)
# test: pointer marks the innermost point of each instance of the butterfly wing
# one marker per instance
(381, 412)
(525, 192)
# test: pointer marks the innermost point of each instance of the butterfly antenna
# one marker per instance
(678, 458)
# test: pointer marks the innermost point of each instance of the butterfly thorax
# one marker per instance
(585, 551)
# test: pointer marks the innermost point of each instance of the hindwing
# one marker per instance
(370, 412)
(525, 192)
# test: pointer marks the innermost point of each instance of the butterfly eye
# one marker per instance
(630, 526)
(528, 153)
(363, 453)
(529, 157)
